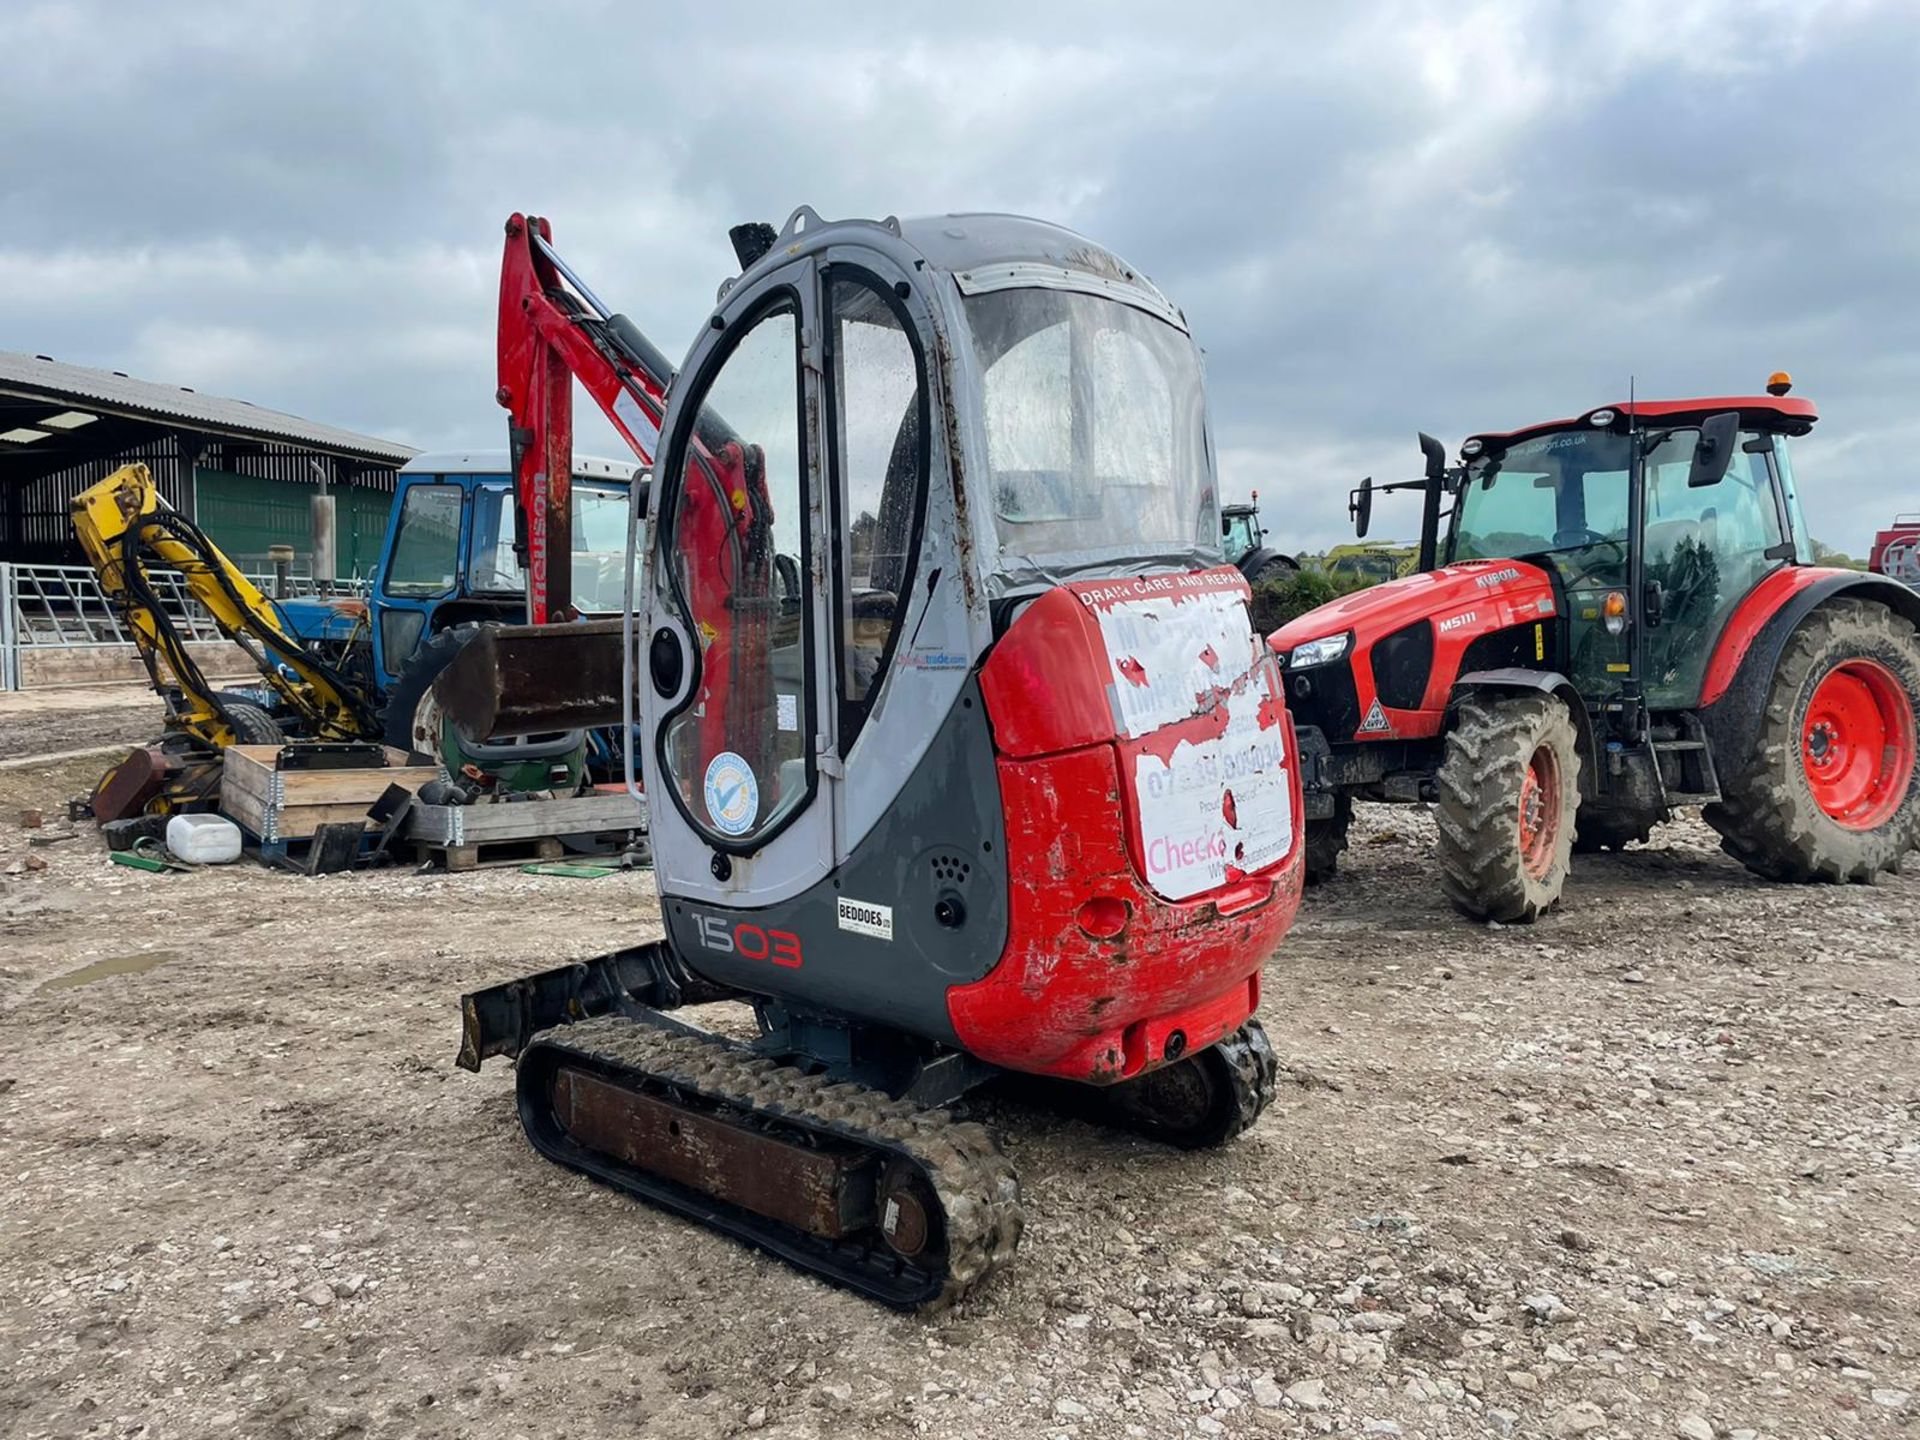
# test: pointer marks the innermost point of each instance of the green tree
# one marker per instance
(1286, 597)
(1825, 554)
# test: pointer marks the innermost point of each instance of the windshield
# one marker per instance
(1563, 494)
(1096, 431)
(599, 546)
(1237, 535)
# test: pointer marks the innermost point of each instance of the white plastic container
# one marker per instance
(203, 839)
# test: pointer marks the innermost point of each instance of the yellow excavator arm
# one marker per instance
(123, 524)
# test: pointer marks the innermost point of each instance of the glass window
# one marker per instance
(599, 547)
(880, 452)
(1237, 537)
(426, 542)
(492, 567)
(740, 753)
(1565, 491)
(1706, 548)
(1783, 462)
(1096, 427)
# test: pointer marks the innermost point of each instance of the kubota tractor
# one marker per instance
(1615, 616)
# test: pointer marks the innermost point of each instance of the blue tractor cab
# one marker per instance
(449, 565)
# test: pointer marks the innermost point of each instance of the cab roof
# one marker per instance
(500, 462)
(987, 251)
(1775, 412)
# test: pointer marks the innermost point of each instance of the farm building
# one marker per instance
(246, 474)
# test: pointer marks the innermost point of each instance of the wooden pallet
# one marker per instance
(464, 836)
(479, 854)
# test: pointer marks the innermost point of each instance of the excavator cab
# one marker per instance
(884, 442)
(889, 451)
(961, 753)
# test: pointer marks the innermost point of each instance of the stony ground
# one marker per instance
(1650, 1167)
(72, 717)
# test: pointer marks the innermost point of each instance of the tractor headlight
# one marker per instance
(1319, 652)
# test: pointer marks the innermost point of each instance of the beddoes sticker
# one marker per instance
(733, 795)
(1197, 701)
(865, 917)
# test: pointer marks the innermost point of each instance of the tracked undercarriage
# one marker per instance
(888, 1195)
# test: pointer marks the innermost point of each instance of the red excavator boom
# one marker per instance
(552, 331)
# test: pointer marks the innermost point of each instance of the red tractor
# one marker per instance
(1615, 616)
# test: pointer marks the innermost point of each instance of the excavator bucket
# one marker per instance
(531, 679)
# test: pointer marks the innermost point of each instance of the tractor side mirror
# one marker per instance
(1714, 453)
(1360, 507)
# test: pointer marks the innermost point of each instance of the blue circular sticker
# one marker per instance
(733, 795)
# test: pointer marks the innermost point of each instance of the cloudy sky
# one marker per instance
(1378, 218)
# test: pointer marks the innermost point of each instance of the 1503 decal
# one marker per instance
(747, 940)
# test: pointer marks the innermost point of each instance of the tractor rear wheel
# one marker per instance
(1828, 793)
(1598, 829)
(413, 715)
(1327, 838)
(1509, 789)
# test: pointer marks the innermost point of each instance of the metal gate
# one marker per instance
(62, 607)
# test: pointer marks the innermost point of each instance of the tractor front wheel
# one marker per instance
(1828, 793)
(1327, 838)
(1509, 789)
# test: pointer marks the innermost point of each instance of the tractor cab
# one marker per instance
(1244, 541)
(452, 555)
(1240, 532)
(1714, 512)
(1686, 504)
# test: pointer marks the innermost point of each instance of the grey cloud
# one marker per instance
(1378, 218)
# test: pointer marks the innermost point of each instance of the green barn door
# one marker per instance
(245, 516)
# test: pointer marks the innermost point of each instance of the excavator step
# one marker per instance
(905, 1205)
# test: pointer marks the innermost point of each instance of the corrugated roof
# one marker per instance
(110, 392)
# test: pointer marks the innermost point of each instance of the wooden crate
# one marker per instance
(275, 805)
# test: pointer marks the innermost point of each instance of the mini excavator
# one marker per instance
(962, 753)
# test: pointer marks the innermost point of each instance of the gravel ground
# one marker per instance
(34, 722)
(1647, 1168)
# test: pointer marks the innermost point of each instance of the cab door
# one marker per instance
(736, 709)
(899, 648)
(1706, 547)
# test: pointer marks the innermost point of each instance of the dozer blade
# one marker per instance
(503, 1019)
(532, 679)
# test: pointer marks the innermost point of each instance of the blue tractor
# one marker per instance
(451, 563)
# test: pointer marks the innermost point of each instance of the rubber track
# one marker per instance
(976, 1186)
(1479, 782)
(1767, 818)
